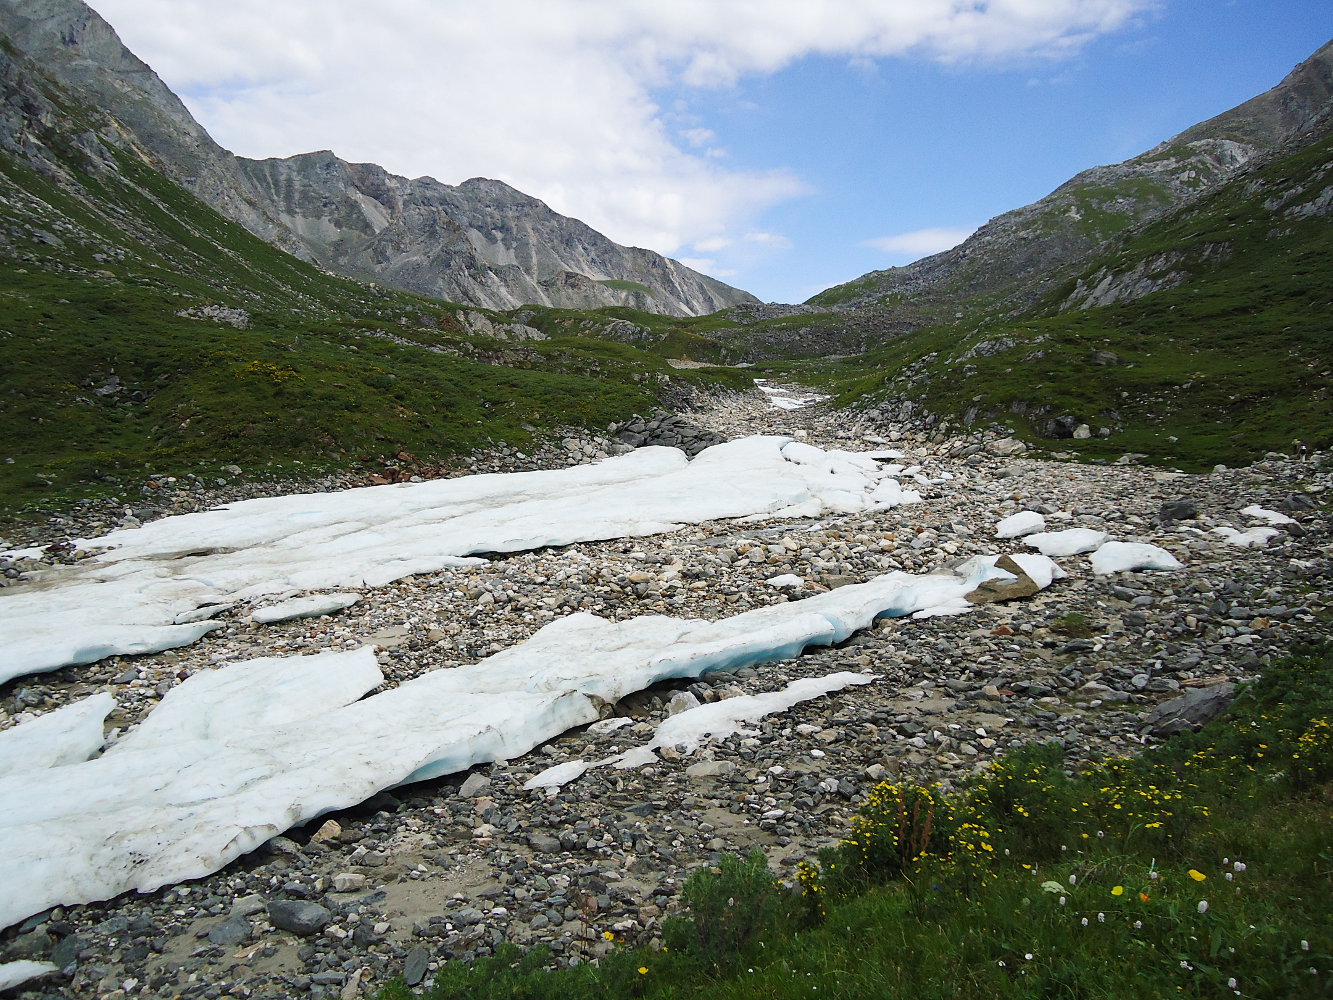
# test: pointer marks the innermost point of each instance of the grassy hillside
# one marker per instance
(1232, 357)
(144, 332)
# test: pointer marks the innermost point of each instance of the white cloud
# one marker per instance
(770, 240)
(920, 242)
(712, 245)
(554, 96)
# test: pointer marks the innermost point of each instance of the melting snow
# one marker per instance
(688, 730)
(152, 588)
(1025, 522)
(232, 757)
(1069, 542)
(1262, 514)
(1118, 557)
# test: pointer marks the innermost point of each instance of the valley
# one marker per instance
(394, 574)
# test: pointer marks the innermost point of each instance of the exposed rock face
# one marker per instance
(1020, 255)
(481, 243)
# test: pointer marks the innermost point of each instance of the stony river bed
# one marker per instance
(452, 868)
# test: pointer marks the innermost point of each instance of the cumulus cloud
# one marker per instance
(920, 242)
(557, 97)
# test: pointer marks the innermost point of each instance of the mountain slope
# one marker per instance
(1017, 257)
(143, 334)
(481, 243)
(1202, 336)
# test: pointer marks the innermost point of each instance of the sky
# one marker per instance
(780, 145)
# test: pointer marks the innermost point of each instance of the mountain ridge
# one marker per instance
(1016, 257)
(410, 240)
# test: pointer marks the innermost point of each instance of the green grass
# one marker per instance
(1202, 868)
(621, 285)
(327, 372)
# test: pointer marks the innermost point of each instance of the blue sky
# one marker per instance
(782, 146)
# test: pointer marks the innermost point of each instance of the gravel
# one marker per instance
(455, 867)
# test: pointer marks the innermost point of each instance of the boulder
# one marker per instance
(1189, 711)
(1004, 590)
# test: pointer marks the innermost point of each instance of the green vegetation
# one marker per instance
(1075, 625)
(1202, 868)
(1231, 361)
(143, 332)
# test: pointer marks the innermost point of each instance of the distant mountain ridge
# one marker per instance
(1017, 257)
(481, 242)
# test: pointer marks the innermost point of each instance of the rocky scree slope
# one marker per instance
(480, 243)
(1017, 257)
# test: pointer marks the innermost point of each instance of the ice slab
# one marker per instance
(1252, 538)
(137, 595)
(17, 973)
(1040, 569)
(790, 580)
(1120, 557)
(234, 756)
(1263, 514)
(303, 607)
(1025, 522)
(68, 735)
(1069, 542)
(690, 729)
(256, 695)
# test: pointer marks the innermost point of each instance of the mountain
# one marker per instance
(1201, 336)
(481, 242)
(148, 336)
(1016, 258)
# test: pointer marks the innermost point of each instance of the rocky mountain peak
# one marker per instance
(482, 242)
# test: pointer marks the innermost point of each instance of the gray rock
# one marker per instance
(231, 931)
(1190, 711)
(1177, 510)
(544, 843)
(474, 785)
(298, 916)
(414, 968)
(66, 952)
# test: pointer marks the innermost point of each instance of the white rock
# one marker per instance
(349, 882)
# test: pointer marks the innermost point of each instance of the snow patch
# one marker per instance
(139, 594)
(689, 730)
(1069, 542)
(232, 757)
(1025, 522)
(1119, 557)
